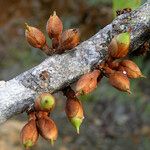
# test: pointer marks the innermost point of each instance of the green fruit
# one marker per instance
(76, 122)
(28, 144)
(47, 102)
(123, 38)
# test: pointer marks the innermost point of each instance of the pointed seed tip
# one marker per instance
(78, 130)
(129, 92)
(52, 142)
(26, 26)
(143, 76)
(54, 13)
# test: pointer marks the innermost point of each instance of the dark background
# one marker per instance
(113, 120)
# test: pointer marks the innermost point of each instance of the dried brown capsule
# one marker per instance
(87, 83)
(35, 37)
(69, 39)
(120, 81)
(131, 69)
(45, 102)
(29, 134)
(74, 112)
(119, 46)
(47, 128)
(54, 26)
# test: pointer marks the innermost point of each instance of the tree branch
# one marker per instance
(59, 71)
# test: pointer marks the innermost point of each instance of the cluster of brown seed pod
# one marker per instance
(60, 40)
(116, 67)
(40, 121)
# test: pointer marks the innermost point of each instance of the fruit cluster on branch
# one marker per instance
(61, 41)
(40, 121)
(116, 67)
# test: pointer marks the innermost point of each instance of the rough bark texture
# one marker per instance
(18, 94)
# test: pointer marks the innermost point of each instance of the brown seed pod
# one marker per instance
(54, 26)
(87, 83)
(120, 81)
(69, 39)
(35, 37)
(74, 112)
(119, 46)
(47, 129)
(74, 108)
(131, 69)
(29, 134)
(44, 102)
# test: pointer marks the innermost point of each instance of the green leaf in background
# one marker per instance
(121, 4)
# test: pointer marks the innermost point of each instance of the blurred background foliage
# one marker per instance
(114, 120)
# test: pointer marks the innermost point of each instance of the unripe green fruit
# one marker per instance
(45, 102)
(28, 144)
(123, 38)
(76, 122)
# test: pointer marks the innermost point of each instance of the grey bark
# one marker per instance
(17, 94)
